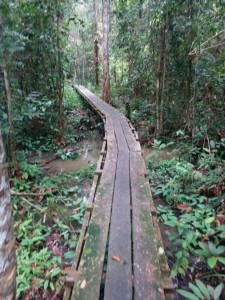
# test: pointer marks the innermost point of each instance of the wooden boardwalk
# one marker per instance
(119, 255)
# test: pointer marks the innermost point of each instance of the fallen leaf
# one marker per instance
(116, 258)
(22, 211)
(56, 251)
(184, 207)
(83, 284)
(161, 291)
(205, 238)
(198, 275)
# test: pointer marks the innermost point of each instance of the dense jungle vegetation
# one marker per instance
(166, 73)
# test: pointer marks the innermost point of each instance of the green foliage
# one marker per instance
(47, 231)
(71, 99)
(200, 291)
(194, 194)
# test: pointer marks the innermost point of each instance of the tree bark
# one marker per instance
(190, 100)
(60, 83)
(96, 44)
(10, 117)
(7, 239)
(105, 22)
(160, 81)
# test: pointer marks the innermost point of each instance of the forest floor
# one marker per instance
(189, 193)
(49, 197)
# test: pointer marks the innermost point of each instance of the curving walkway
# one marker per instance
(119, 255)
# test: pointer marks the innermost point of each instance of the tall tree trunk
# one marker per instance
(160, 81)
(105, 21)
(96, 62)
(96, 45)
(60, 79)
(190, 37)
(7, 239)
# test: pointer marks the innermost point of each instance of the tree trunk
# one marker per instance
(96, 45)
(190, 100)
(60, 83)
(160, 81)
(105, 21)
(10, 117)
(7, 239)
(96, 63)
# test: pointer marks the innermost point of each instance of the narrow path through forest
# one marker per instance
(120, 253)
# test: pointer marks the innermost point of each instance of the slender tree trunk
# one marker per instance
(7, 239)
(96, 45)
(160, 80)
(190, 37)
(60, 80)
(96, 63)
(105, 21)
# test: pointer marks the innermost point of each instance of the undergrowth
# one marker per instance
(192, 183)
(47, 229)
(48, 211)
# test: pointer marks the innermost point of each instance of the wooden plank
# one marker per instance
(121, 140)
(80, 241)
(99, 168)
(147, 276)
(88, 280)
(119, 274)
(133, 144)
(165, 271)
(93, 189)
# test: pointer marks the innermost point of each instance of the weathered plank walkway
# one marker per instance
(119, 255)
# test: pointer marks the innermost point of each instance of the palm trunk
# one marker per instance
(7, 239)
(105, 21)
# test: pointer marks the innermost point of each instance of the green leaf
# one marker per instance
(203, 288)
(206, 150)
(218, 291)
(187, 295)
(212, 248)
(212, 261)
(184, 262)
(221, 259)
(179, 254)
(171, 223)
(52, 286)
(25, 175)
(56, 272)
(205, 248)
(196, 290)
(69, 255)
(220, 250)
(189, 236)
(209, 220)
(212, 144)
(46, 284)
